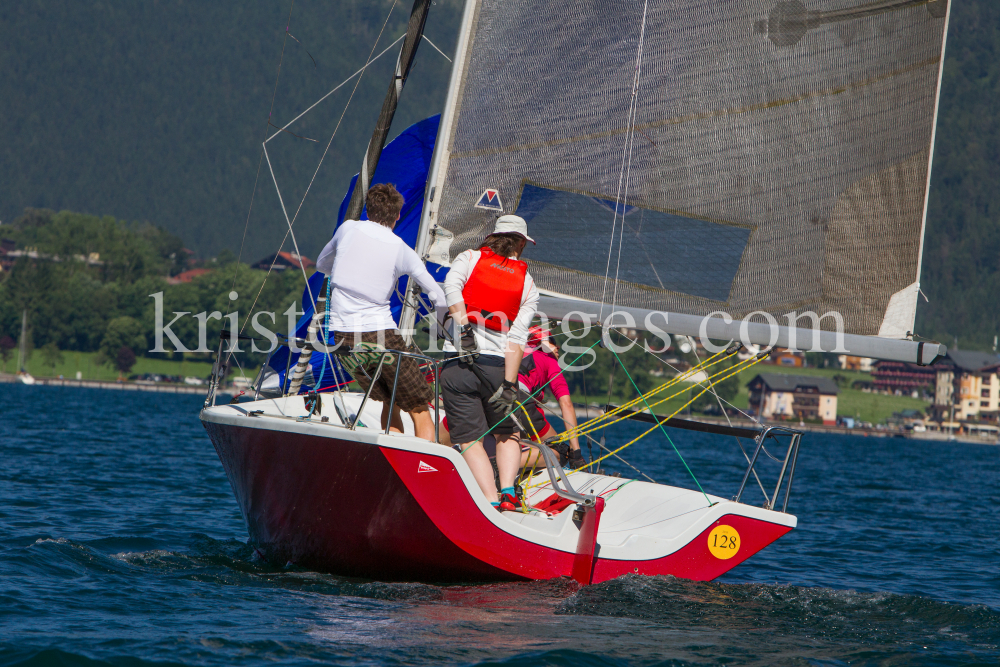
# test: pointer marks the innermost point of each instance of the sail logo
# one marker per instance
(423, 467)
(490, 201)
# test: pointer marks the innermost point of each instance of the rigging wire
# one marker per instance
(264, 154)
(626, 157)
(664, 430)
(729, 421)
(546, 408)
(630, 142)
(436, 48)
(318, 166)
(260, 160)
(264, 148)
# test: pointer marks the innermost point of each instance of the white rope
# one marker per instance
(260, 159)
(341, 120)
(295, 243)
(729, 421)
(626, 156)
(338, 87)
(630, 143)
(292, 222)
(436, 48)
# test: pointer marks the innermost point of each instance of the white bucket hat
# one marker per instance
(512, 224)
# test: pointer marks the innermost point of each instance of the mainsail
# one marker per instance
(755, 157)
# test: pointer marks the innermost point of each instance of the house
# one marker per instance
(187, 276)
(851, 363)
(899, 377)
(966, 386)
(776, 396)
(284, 260)
(781, 357)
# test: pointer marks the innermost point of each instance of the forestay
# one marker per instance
(778, 159)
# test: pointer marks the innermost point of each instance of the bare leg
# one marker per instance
(423, 424)
(482, 469)
(532, 457)
(397, 420)
(508, 460)
(444, 437)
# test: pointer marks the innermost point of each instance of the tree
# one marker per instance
(124, 360)
(51, 356)
(7, 346)
(122, 332)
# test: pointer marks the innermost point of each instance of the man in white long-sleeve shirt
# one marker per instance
(364, 261)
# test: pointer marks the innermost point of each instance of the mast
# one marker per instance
(21, 348)
(414, 33)
(439, 163)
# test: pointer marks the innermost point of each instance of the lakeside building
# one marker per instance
(783, 357)
(967, 386)
(899, 377)
(284, 260)
(10, 254)
(187, 276)
(780, 396)
(851, 363)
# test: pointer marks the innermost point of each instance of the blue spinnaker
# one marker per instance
(405, 162)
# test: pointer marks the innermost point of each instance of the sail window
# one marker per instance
(658, 249)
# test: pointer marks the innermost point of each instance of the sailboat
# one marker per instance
(708, 168)
(22, 356)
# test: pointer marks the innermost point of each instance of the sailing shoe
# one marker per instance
(576, 459)
(508, 503)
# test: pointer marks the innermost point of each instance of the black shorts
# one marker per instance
(532, 417)
(465, 397)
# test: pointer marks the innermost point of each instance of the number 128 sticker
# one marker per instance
(724, 542)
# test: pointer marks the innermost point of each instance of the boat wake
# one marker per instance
(632, 620)
(844, 624)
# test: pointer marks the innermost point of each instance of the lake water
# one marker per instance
(121, 544)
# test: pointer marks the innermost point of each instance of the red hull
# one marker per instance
(296, 491)
(360, 509)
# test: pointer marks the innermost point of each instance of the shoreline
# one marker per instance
(171, 388)
(582, 414)
(157, 387)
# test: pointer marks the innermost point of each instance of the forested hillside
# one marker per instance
(961, 269)
(88, 289)
(155, 111)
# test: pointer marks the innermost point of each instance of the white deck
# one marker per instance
(641, 520)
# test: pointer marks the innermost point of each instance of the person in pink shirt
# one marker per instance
(540, 364)
(540, 372)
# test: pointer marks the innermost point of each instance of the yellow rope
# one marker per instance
(725, 373)
(596, 423)
(520, 480)
(734, 370)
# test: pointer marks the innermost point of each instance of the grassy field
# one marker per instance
(869, 407)
(85, 363)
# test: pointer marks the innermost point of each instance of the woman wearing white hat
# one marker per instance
(492, 299)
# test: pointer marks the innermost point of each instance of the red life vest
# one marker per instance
(493, 291)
